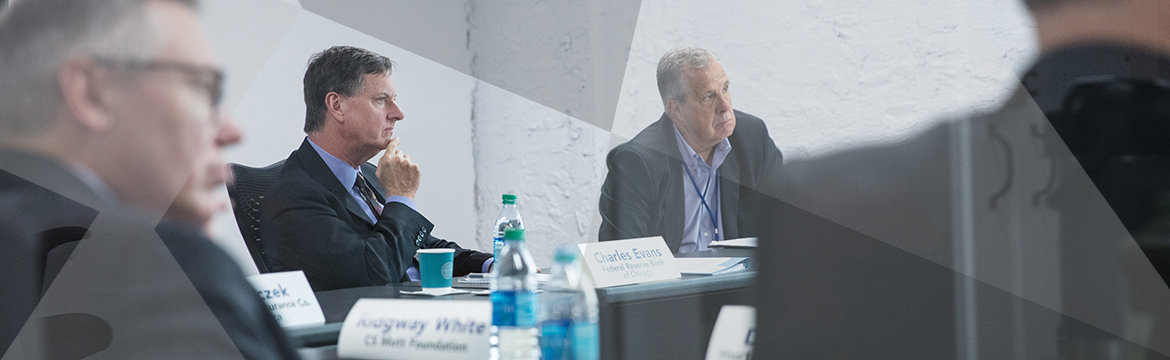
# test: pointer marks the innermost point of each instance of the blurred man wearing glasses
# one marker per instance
(110, 107)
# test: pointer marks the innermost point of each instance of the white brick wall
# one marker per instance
(825, 75)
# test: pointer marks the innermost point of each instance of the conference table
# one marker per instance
(669, 319)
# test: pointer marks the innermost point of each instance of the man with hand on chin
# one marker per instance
(325, 214)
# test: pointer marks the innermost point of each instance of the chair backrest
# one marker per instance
(247, 189)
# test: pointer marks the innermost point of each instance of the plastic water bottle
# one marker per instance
(509, 218)
(568, 312)
(514, 301)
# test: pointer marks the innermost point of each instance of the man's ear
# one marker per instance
(84, 87)
(334, 106)
(673, 109)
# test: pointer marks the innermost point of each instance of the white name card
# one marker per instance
(734, 333)
(633, 261)
(289, 297)
(416, 329)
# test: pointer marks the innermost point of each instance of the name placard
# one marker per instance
(633, 261)
(289, 297)
(734, 333)
(416, 329)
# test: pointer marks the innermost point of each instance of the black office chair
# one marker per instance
(34, 253)
(246, 190)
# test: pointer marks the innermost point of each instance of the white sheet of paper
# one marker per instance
(745, 243)
(711, 265)
(633, 261)
(434, 292)
(416, 329)
(289, 297)
(487, 278)
(734, 333)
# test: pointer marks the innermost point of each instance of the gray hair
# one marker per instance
(38, 36)
(671, 82)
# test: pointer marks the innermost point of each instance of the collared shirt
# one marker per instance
(94, 183)
(347, 175)
(698, 230)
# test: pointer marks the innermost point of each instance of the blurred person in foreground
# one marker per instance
(110, 108)
(343, 221)
(1011, 234)
(699, 173)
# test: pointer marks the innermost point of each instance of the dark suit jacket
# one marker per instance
(310, 222)
(124, 277)
(643, 192)
(1037, 195)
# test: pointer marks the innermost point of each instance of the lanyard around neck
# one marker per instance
(703, 198)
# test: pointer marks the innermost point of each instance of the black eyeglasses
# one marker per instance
(205, 78)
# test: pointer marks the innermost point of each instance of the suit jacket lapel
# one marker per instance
(673, 206)
(50, 174)
(729, 196)
(320, 172)
(74, 204)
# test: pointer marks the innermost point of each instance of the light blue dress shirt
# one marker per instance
(94, 183)
(347, 175)
(698, 230)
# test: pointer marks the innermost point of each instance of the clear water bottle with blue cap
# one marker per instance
(568, 311)
(509, 219)
(515, 305)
